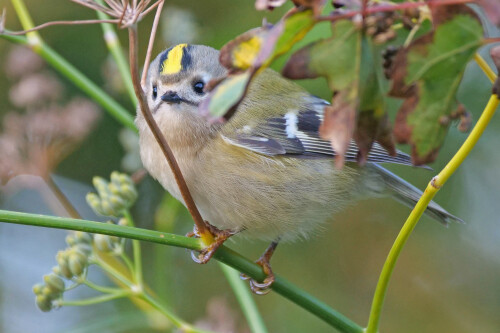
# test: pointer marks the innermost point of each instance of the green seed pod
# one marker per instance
(71, 240)
(44, 303)
(85, 249)
(94, 202)
(126, 180)
(107, 209)
(103, 243)
(83, 237)
(118, 203)
(129, 193)
(62, 261)
(101, 186)
(115, 178)
(114, 188)
(77, 263)
(54, 282)
(37, 288)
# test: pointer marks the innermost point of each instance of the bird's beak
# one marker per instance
(171, 97)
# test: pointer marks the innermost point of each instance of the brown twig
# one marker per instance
(390, 8)
(154, 28)
(172, 162)
(49, 24)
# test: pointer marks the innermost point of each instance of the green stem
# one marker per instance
(225, 255)
(244, 297)
(80, 80)
(102, 289)
(111, 271)
(114, 47)
(95, 300)
(432, 188)
(136, 248)
(127, 262)
(182, 325)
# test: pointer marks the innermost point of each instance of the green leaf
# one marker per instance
(427, 74)
(226, 95)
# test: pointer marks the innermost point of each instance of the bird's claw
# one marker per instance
(219, 236)
(264, 287)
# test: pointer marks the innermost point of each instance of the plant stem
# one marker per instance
(136, 248)
(485, 67)
(244, 297)
(114, 47)
(432, 188)
(102, 289)
(223, 254)
(205, 234)
(112, 271)
(95, 300)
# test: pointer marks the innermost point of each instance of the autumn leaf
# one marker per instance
(347, 61)
(250, 53)
(427, 74)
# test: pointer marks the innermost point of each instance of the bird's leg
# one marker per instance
(264, 287)
(218, 237)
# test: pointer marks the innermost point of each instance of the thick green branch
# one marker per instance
(224, 254)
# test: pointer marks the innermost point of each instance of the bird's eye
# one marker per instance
(155, 92)
(198, 87)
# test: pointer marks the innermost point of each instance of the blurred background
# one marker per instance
(446, 280)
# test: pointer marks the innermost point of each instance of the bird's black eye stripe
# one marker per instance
(155, 92)
(198, 87)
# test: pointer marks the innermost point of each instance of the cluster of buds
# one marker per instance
(112, 198)
(71, 263)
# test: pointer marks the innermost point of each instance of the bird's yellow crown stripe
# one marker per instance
(173, 63)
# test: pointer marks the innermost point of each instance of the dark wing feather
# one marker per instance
(296, 134)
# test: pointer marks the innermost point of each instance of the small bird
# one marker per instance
(265, 173)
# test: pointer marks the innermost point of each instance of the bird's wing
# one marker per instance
(296, 134)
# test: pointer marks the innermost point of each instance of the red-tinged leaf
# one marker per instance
(427, 74)
(371, 126)
(349, 62)
(258, 47)
(252, 52)
(338, 124)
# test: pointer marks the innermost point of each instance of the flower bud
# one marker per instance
(70, 240)
(37, 288)
(94, 202)
(62, 261)
(123, 222)
(44, 303)
(54, 282)
(83, 237)
(103, 243)
(101, 186)
(77, 263)
(129, 193)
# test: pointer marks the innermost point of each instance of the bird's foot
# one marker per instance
(218, 238)
(264, 287)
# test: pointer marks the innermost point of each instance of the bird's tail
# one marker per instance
(409, 195)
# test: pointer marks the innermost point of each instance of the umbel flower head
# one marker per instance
(126, 12)
(112, 198)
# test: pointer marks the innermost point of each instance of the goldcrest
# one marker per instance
(266, 172)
